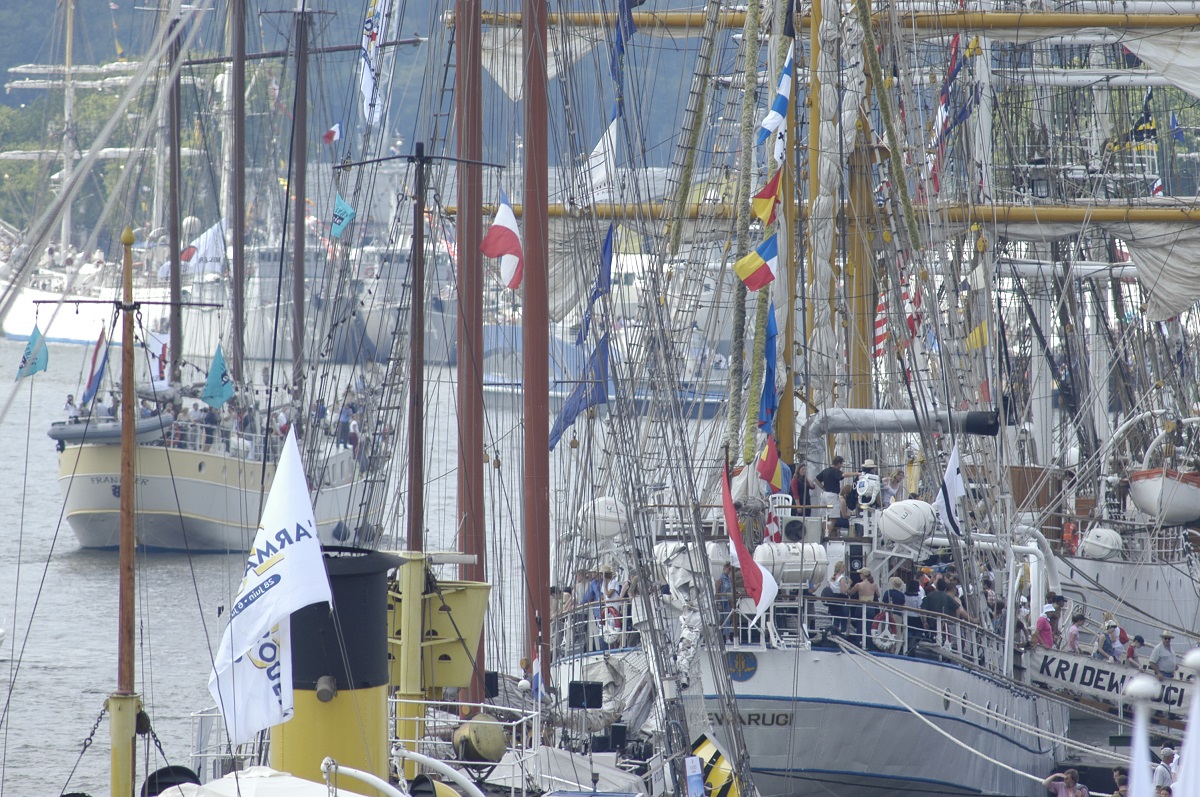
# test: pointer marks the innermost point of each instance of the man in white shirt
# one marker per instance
(71, 409)
(1162, 772)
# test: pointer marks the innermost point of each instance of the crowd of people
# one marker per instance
(834, 491)
(1166, 772)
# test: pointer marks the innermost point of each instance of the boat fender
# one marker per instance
(885, 632)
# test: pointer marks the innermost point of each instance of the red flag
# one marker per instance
(333, 134)
(767, 199)
(881, 327)
(760, 584)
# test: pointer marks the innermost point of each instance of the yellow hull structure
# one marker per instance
(433, 634)
(340, 672)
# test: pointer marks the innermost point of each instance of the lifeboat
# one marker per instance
(1173, 498)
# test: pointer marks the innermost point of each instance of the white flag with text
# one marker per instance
(252, 671)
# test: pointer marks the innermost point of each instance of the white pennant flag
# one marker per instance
(601, 164)
(371, 60)
(252, 672)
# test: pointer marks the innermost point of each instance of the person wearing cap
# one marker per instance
(1163, 776)
(895, 592)
(1110, 642)
(1162, 658)
(1131, 652)
(866, 589)
(1066, 784)
(1043, 631)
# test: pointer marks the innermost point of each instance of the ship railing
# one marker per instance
(439, 721)
(221, 440)
(595, 627)
(798, 620)
(212, 756)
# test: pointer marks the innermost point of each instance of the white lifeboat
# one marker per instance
(1173, 498)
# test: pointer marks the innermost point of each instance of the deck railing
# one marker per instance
(796, 621)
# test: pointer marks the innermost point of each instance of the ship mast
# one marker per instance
(124, 705)
(469, 111)
(535, 324)
(299, 191)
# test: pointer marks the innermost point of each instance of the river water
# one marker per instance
(58, 603)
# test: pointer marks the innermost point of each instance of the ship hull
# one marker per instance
(1142, 596)
(187, 500)
(822, 722)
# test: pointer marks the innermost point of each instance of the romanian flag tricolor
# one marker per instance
(758, 268)
(763, 203)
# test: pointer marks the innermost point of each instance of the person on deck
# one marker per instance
(847, 506)
(1164, 775)
(940, 600)
(71, 409)
(1162, 658)
(895, 593)
(801, 488)
(1072, 645)
(1131, 652)
(831, 478)
(1043, 632)
(1066, 784)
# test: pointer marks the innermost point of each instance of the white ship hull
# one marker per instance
(823, 723)
(189, 500)
(1141, 595)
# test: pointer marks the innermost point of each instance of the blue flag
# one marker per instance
(219, 387)
(591, 390)
(1176, 129)
(35, 357)
(616, 65)
(769, 403)
(603, 284)
(343, 214)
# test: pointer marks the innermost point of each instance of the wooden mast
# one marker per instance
(469, 111)
(535, 325)
(123, 704)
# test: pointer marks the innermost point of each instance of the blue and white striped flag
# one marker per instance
(779, 108)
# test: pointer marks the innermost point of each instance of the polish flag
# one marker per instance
(333, 134)
(503, 240)
(760, 584)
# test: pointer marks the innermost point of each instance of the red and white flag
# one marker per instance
(881, 327)
(333, 134)
(760, 584)
(503, 240)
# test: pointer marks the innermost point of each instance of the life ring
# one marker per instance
(610, 624)
(885, 632)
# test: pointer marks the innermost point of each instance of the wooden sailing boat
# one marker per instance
(203, 488)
